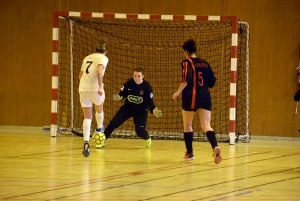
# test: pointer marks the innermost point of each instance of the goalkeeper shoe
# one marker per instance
(188, 156)
(100, 130)
(86, 149)
(217, 155)
(148, 142)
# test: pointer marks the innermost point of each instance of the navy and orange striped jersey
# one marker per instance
(199, 77)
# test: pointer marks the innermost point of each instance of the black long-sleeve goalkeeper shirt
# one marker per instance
(138, 97)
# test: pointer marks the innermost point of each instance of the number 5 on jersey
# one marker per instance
(200, 79)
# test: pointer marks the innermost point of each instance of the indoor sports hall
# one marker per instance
(253, 48)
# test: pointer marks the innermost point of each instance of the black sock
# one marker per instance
(211, 135)
(188, 139)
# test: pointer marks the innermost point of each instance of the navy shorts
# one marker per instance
(186, 106)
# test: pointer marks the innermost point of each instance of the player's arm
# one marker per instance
(212, 77)
(186, 76)
(82, 69)
(100, 68)
(180, 89)
(122, 94)
(80, 74)
(149, 97)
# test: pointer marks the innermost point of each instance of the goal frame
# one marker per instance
(233, 65)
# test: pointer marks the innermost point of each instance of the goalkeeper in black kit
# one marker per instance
(138, 96)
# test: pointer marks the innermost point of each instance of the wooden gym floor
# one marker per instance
(35, 166)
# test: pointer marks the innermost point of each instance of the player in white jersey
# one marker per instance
(91, 90)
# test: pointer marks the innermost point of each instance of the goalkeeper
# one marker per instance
(138, 96)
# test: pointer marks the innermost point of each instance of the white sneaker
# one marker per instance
(100, 130)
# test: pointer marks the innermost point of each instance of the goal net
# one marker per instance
(152, 42)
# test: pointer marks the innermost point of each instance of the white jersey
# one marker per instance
(89, 79)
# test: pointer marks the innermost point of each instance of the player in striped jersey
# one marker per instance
(197, 78)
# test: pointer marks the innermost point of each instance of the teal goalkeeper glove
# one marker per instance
(117, 97)
(157, 113)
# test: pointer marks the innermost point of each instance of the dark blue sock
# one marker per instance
(211, 135)
(188, 139)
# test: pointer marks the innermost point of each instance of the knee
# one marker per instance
(187, 128)
(207, 128)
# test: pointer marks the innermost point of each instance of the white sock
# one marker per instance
(86, 126)
(99, 118)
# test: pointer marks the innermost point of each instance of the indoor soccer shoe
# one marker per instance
(188, 157)
(100, 130)
(86, 149)
(100, 146)
(217, 155)
(148, 142)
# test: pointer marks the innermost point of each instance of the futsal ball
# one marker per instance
(98, 138)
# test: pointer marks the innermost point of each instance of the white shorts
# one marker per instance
(88, 98)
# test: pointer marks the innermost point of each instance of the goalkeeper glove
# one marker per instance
(157, 113)
(117, 97)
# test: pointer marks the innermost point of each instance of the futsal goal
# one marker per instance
(152, 42)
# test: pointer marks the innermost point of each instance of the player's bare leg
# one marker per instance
(205, 117)
(99, 116)
(188, 117)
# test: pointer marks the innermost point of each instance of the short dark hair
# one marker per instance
(190, 46)
(139, 69)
